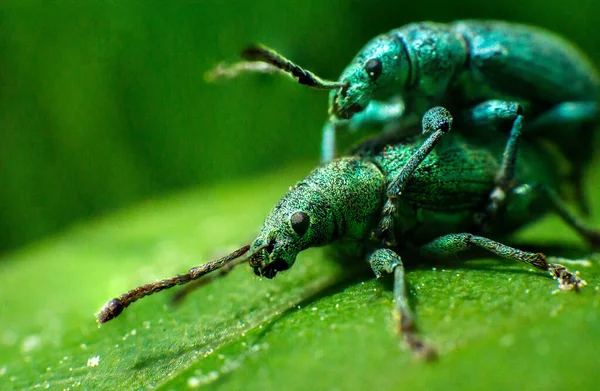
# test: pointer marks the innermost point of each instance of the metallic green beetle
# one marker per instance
(341, 203)
(485, 72)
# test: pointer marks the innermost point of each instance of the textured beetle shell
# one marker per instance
(344, 198)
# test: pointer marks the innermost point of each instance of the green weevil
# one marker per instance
(487, 72)
(341, 202)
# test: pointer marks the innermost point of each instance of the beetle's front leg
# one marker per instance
(387, 261)
(328, 140)
(374, 115)
(437, 120)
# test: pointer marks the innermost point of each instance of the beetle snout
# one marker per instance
(270, 270)
(263, 263)
(342, 109)
(348, 112)
(347, 101)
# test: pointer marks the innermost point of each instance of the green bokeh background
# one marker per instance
(103, 104)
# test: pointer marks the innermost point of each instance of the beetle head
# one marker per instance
(379, 70)
(302, 219)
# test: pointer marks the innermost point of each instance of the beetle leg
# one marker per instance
(578, 119)
(378, 113)
(592, 235)
(328, 141)
(563, 115)
(505, 179)
(454, 243)
(375, 114)
(437, 120)
(387, 261)
(495, 114)
(527, 196)
(492, 113)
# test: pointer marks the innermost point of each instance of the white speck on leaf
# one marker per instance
(93, 361)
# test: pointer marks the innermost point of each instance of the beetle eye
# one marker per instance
(373, 68)
(300, 222)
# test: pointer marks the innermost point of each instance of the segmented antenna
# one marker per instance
(265, 60)
(230, 71)
(114, 307)
(304, 76)
(186, 290)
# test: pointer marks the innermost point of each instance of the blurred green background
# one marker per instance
(103, 104)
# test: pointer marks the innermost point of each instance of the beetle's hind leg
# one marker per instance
(387, 261)
(455, 243)
(525, 197)
(576, 121)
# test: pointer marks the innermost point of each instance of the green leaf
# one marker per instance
(325, 324)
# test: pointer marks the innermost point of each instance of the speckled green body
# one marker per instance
(460, 64)
(435, 206)
(454, 182)
(484, 72)
(344, 198)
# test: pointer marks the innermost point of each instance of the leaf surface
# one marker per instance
(325, 324)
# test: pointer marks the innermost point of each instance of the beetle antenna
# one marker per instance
(303, 76)
(189, 288)
(114, 307)
(230, 71)
(262, 59)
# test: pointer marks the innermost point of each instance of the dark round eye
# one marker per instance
(300, 222)
(373, 68)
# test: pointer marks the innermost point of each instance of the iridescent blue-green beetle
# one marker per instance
(341, 203)
(485, 72)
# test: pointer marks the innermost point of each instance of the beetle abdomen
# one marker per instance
(528, 62)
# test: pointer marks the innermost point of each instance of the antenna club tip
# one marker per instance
(109, 311)
(213, 75)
